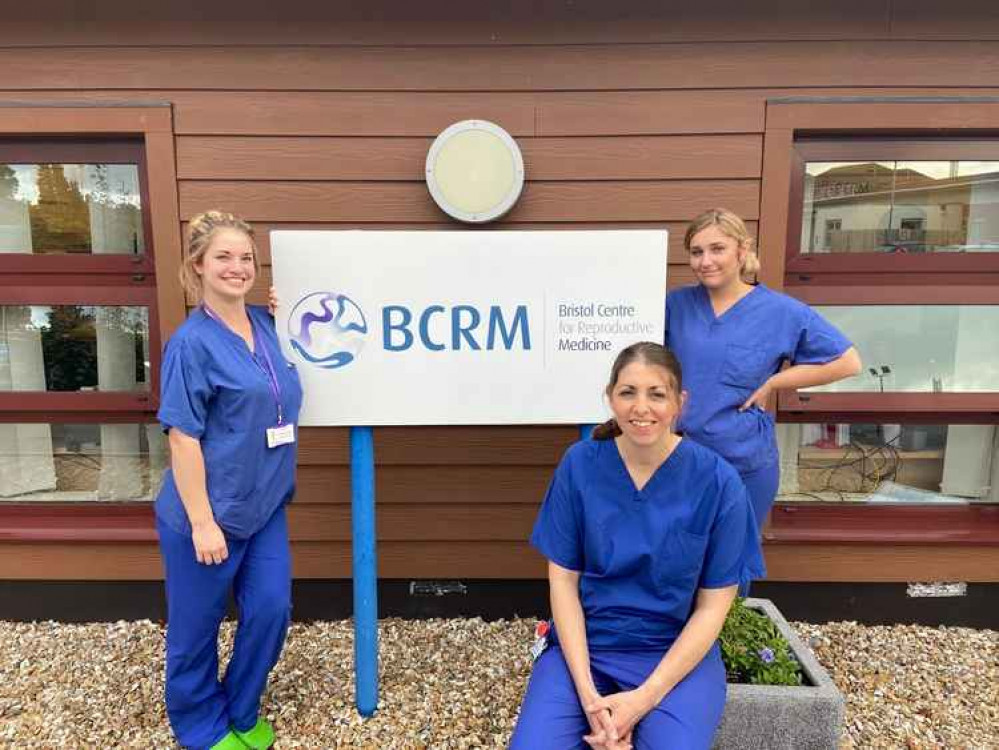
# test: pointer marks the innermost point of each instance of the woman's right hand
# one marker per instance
(209, 543)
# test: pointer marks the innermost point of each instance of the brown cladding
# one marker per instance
(629, 115)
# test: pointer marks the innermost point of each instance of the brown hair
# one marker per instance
(649, 353)
(731, 226)
(200, 231)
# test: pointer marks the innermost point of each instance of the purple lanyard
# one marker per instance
(268, 370)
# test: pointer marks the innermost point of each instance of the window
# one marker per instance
(922, 464)
(900, 207)
(79, 338)
(865, 205)
(912, 348)
(74, 462)
(887, 212)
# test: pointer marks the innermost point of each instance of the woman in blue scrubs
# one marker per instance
(733, 337)
(229, 402)
(647, 536)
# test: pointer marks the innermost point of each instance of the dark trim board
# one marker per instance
(867, 603)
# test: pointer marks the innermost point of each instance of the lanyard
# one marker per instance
(267, 365)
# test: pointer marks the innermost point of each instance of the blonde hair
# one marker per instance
(732, 226)
(200, 231)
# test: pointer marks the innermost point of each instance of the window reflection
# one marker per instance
(888, 463)
(70, 208)
(901, 207)
(74, 348)
(920, 348)
(80, 462)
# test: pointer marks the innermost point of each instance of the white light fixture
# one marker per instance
(475, 171)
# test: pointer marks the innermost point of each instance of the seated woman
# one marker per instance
(648, 535)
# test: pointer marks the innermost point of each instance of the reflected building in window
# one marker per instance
(900, 207)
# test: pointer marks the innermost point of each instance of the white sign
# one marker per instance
(423, 328)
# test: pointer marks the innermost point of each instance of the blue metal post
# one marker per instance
(365, 568)
(586, 431)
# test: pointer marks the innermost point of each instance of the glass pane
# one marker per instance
(888, 463)
(901, 207)
(70, 208)
(920, 348)
(74, 348)
(81, 462)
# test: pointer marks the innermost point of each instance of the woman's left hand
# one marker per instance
(760, 397)
(272, 300)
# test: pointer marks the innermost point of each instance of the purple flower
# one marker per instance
(767, 655)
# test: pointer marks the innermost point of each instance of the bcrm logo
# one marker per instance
(329, 330)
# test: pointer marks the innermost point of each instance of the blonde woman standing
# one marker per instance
(733, 336)
(229, 403)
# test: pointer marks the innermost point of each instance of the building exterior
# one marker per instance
(860, 140)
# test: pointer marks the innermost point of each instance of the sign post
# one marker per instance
(365, 568)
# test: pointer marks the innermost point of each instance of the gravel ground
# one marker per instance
(457, 684)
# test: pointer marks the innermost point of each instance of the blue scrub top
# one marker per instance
(643, 554)
(726, 358)
(213, 389)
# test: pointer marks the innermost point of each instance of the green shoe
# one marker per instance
(229, 742)
(260, 737)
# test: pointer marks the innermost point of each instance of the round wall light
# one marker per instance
(475, 172)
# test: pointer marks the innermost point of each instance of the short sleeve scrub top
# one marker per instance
(726, 357)
(642, 554)
(215, 390)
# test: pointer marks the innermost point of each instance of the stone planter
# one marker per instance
(781, 717)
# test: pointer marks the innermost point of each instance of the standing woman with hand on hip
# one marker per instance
(229, 403)
(732, 337)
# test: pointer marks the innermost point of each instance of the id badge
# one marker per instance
(540, 639)
(280, 435)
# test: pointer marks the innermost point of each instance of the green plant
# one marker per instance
(754, 651)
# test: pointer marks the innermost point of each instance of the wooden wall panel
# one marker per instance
(314, 125)
(410, 202)
(473, 446)
(677, 254)
(373, 113)
(462, 445)
(370, 114)
(403, 159)
(412, 485)
(881, 563)
(523, 68)
(497, 559)
(427, 521)
(959, 19)
(386, 22)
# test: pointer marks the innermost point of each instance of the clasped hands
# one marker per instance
(613, 718)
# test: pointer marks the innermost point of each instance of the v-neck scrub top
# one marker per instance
(214, 389)
(727, 357)
(643, 554)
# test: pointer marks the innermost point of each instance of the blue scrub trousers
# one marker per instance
(552, 718)
(201, 709)
(762, 485)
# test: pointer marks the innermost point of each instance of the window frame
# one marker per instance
(799, 119)
(112, 132)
